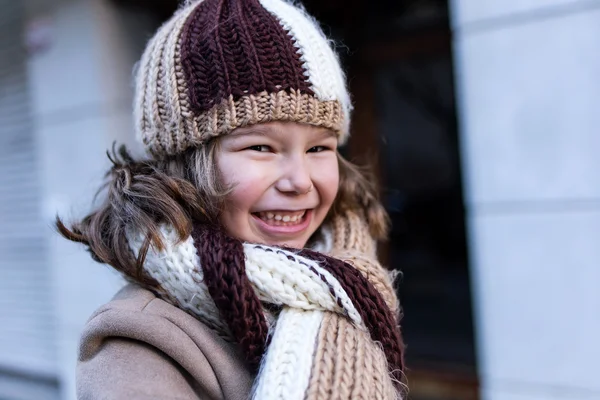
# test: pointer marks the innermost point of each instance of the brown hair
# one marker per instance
(140, 194)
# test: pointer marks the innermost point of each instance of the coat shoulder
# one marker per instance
(139, 346)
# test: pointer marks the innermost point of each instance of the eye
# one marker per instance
(260, 148)
(318, 149)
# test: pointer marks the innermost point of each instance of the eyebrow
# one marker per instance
(249, 130)
(327, 132)
(262, 131)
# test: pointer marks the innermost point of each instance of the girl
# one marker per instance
(248, 241)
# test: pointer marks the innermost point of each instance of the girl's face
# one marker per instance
(285, 178)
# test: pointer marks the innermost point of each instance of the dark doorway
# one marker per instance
(398, 57)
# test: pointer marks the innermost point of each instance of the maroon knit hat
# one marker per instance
(217, 65)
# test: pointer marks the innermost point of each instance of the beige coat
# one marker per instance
(140, 347)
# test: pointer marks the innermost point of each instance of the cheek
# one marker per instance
(327, 179)
(234, 216)
(245, 191)
(245, 182)
(236, 201)
(242, 196)
(248, 185)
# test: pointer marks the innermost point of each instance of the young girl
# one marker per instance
(248, 241)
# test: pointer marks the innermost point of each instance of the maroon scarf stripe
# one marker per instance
(377, 316)
(222, 261)
(236, 47)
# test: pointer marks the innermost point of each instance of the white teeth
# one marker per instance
(267, 216)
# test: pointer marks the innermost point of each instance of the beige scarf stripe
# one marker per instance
(343, 378)
(348, 364)
(321, 380)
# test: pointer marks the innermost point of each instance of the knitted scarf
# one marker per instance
(313, 324)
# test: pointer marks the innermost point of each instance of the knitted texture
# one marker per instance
(341, 350)
(217, 65)
(351, 365)
(231, 290)
(336, 334)
(287, 366)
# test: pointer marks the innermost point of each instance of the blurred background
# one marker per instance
(480, 118)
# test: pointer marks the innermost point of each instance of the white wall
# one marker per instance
(528, 75)
(81, 93)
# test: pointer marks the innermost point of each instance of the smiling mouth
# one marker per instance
(282, 218)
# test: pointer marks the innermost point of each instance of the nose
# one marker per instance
(295, 176)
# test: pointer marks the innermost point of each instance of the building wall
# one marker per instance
(27, 330)
(81, 90)
(528, 76)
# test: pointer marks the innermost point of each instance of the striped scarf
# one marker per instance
(313, 324)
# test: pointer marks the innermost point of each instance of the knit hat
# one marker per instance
(217, 65)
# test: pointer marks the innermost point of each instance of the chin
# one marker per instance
(294, 244)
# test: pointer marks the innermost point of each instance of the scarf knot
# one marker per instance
(279, 305)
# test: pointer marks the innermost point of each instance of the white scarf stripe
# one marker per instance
(285, 370)
(313, 272)
(294, 285)
(278, 276)
(277, 285)
(176, 268)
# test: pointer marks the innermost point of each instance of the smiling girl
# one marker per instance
(247, 240)
(287, 185)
